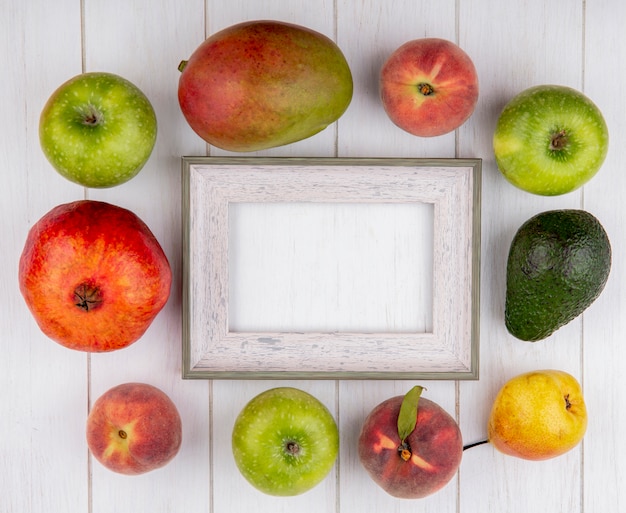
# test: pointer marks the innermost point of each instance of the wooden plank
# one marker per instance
(144, 43)
(230, 491)
(510, 56)
(44, 464)
(604, 324)
(365, 130)
(47, 389)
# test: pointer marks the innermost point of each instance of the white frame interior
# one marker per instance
(330, 267)
(211, 351)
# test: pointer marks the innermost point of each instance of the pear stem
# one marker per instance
(475, 444)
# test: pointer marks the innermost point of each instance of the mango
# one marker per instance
(261, 84)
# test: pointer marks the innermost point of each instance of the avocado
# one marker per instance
(558, 264)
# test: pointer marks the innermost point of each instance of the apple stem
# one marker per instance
(90, 115)
(475, 444)
(122, 434)
(182, 65)
(559, 141)
(292, 448)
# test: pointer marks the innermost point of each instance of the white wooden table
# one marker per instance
(46, 390)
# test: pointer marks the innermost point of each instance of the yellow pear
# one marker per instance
(538, 415)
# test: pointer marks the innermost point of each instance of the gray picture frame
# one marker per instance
(211, 351)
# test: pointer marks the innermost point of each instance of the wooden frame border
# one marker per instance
(211, 351)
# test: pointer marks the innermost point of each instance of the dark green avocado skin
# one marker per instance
(558, 264)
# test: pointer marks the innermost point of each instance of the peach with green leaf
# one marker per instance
(410, 446)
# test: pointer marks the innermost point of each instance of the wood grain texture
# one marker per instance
(604, 323)
(368, 31)
(46, 390)
(214, 186)
(504, 71)
(40, 441)
(134, 40)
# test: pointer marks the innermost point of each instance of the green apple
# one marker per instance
(285, 441)
(97, 129)
(550, 140)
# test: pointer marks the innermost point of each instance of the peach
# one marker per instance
(134, 428)
(429, 87)
(421, 464)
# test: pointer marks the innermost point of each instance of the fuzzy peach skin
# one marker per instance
(436, 449)
(93, 276)
(134, 428)
(429, 87)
